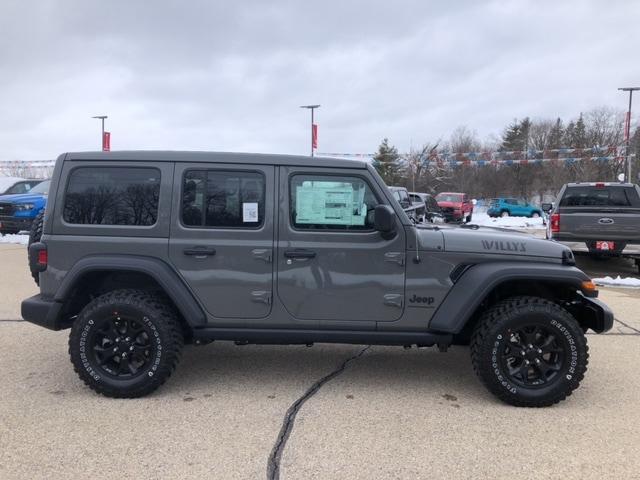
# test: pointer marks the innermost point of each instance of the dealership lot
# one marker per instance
(391, 413)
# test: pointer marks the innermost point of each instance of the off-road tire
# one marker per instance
(166, 338)
(35, 234)
(469, 218)
(492, 334)
(505, 213)
(535, 215)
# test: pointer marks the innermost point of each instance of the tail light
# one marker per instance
(43, 258)
(555, 223)
(38, 257)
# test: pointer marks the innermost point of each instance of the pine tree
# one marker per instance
(387, 162)
(556, 135)
(580, 134)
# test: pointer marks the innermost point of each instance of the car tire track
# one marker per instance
(273, 463)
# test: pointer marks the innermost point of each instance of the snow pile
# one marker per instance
(15, 238)
(484, 220)
(618, 281)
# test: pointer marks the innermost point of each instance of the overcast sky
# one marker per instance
(213, 75)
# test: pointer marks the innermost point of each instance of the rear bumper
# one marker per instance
(15, 223)
(632, 250)
(42, 312)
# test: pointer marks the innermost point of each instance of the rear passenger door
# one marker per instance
(222, 237)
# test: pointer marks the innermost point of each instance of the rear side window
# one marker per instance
(112, 196)
(224, 199)
(591, 196)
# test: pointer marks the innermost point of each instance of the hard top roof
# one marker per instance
(213, 157)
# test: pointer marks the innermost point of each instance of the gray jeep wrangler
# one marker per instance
(139, 253)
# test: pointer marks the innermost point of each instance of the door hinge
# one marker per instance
(261, 296)
(395, 257)
(394, 300)
(262, 254)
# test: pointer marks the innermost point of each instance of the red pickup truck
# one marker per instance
(455, 206)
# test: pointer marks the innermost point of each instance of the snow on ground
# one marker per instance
(618, 281)
(17, 238)
(481, 218)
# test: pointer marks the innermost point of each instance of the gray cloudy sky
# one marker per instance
(213, 75)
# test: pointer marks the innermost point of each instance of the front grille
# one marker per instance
(6, 209)
(447, 209)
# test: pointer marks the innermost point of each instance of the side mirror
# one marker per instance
(405, 204)
(384, 219)
(546, 207)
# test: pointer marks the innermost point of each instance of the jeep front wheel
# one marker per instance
(529, 352)
(125, 343)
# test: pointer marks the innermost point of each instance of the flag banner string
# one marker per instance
(515, 157)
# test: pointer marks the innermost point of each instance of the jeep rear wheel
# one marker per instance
(35, 234)
(529, 352)
(125, 343)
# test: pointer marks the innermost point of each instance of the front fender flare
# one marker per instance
(479, 280)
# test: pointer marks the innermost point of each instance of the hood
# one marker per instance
(23, 198)
(495, 241)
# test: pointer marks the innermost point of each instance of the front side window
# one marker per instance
(224, 199)
(111, 196)
(331, 203)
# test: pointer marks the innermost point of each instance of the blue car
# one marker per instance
(512, 207)
(18, 211)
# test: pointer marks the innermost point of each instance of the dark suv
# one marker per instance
(142, 252)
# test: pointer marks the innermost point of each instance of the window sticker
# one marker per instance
(326, 203)
(250, 212)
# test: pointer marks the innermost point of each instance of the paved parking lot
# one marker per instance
(389, 413)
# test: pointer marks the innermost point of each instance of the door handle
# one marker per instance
(199, 252)
(299, 253)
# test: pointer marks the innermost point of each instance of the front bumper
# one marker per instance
(43, 312)
(15, 223)
(596, 315)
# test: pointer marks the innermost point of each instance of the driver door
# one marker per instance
(332, 264)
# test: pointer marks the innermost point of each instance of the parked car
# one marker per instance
(456, 207)
(512, 207)
(17, 212)
(433, 213)
(16, 185)
(602, 219)
(139, 253)
(416, 212)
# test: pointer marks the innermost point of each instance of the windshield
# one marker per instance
(448, 197)
(588, 196)
(41, 188)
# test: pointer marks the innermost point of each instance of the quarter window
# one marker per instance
(331, 203)
(112, 196)
(225, 199)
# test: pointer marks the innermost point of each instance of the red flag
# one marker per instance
(106, 141)
(314, 135)
(627, 125)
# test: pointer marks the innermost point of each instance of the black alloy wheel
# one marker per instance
(122, 347)
(532, 356)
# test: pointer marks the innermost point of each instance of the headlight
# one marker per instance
(25, 206)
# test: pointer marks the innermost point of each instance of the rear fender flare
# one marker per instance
(172, 284)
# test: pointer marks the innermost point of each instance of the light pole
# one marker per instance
(312, 108)
(627, 129)
(101, 117)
